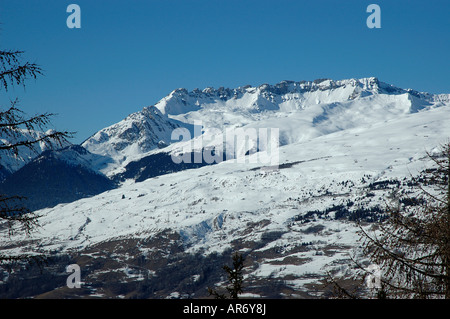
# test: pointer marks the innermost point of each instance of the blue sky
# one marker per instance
(130, 54)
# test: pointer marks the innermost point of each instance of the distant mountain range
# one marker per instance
(54, 177)
(140, 146)
(144, 226)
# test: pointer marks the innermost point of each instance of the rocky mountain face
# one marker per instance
(165, 231)
(135, 135)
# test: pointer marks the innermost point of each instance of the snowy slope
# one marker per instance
(137, 134)
(300, 110)
(292, 95)
(338, 139)
(286, 96)
(233, 205)
(386, 150)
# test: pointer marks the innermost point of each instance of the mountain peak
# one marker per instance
(332, 105)
(182, 101)
(138, 133)
(293, 86)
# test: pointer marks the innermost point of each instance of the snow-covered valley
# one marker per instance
(345, 147)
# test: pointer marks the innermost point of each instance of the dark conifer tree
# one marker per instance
(13, 124)
(412, 247)
(235, 279)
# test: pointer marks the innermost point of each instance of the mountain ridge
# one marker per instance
(340, 159)
(369, 85)
(140, 146)
(149, 129)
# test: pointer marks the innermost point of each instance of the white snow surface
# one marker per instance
(301, 111)
(340, 131)
(127, 140)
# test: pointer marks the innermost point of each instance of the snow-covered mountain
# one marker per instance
(135, 135)
(57, 176)
(345, 148)
(299, 110)
(9, 163)
(285, 96)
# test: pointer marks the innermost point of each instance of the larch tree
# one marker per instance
(13, 124)
(235, 279)
(412, 247)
